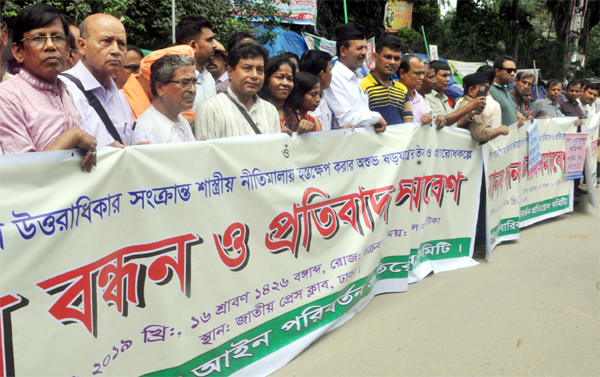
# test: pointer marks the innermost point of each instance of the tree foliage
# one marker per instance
(148, 22)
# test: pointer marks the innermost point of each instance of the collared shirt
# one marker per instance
(348, 103)
(389, 101)
(438, 103)
(545, 107)
(156, 128)
(205, 88)
(419, 107)
(520, 105)
(219, 117)
(5, 76)
(570, 109)
(492, 114)
(224, 76)
(323, 113)
(33, 113)
(112, 100)
(479, 128)
(507, 105)
(584, 108)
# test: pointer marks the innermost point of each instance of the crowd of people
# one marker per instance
(84, 86)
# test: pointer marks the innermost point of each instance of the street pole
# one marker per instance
(345, 12)
(173, 19)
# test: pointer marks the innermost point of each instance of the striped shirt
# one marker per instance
(219, 117)
(389, 101)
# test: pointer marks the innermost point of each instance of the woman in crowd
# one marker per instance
(279, 82)
(305, 97)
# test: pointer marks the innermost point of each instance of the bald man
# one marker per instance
(104, 112)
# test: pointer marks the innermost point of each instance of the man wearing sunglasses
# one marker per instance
(131, 64)
(173, 84)
(505, 74)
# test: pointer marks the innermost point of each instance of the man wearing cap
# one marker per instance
(347, 101)
(137, 89)
(218, 65)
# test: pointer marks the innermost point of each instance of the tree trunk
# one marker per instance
(514, 22)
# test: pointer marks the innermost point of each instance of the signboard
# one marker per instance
(209, 259)
(303, 12)
(575, 152)
(398, 15)
(433, 53)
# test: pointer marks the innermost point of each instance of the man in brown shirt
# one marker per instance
(476, 123)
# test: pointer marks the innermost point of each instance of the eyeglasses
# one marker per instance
(132, 67)
(509, 70)
(40, 41)
(186, 83)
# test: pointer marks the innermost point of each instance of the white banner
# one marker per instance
(515, 200)
(222, 257)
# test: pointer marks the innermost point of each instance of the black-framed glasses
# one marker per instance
(185, 83)
(132, 67)
(509, 70)
(40, 41)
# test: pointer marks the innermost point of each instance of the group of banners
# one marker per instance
(232, 256)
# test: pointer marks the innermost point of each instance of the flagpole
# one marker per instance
(345, 12)
(173, 18)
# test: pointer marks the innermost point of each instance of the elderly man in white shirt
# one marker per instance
(239, 111)
(102, 45)
(172, 81)
(347, 101)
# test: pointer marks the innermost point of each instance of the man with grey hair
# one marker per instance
(173, 85)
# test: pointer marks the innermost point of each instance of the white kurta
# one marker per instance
(219, 117)
(347, 101)
(156, 128)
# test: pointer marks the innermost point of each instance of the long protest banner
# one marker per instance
(515, 200)
(591, 127)
(222, 257)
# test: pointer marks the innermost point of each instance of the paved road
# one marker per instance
(511, 317)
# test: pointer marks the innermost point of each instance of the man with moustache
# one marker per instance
(386, 96)
(240, 111)
(218, 65)
(104, 111)
(173, 84)
(569, 105)
(523, 84)
(438, 101)
(36, 112)
(411, 74)
(345, 98)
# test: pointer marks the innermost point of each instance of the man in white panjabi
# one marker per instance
(173, 84)
(347, 101)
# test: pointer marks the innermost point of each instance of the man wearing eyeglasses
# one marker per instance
(36, 112)
(131, 64)
(173, 84)
(505, 74)
(104, 111)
